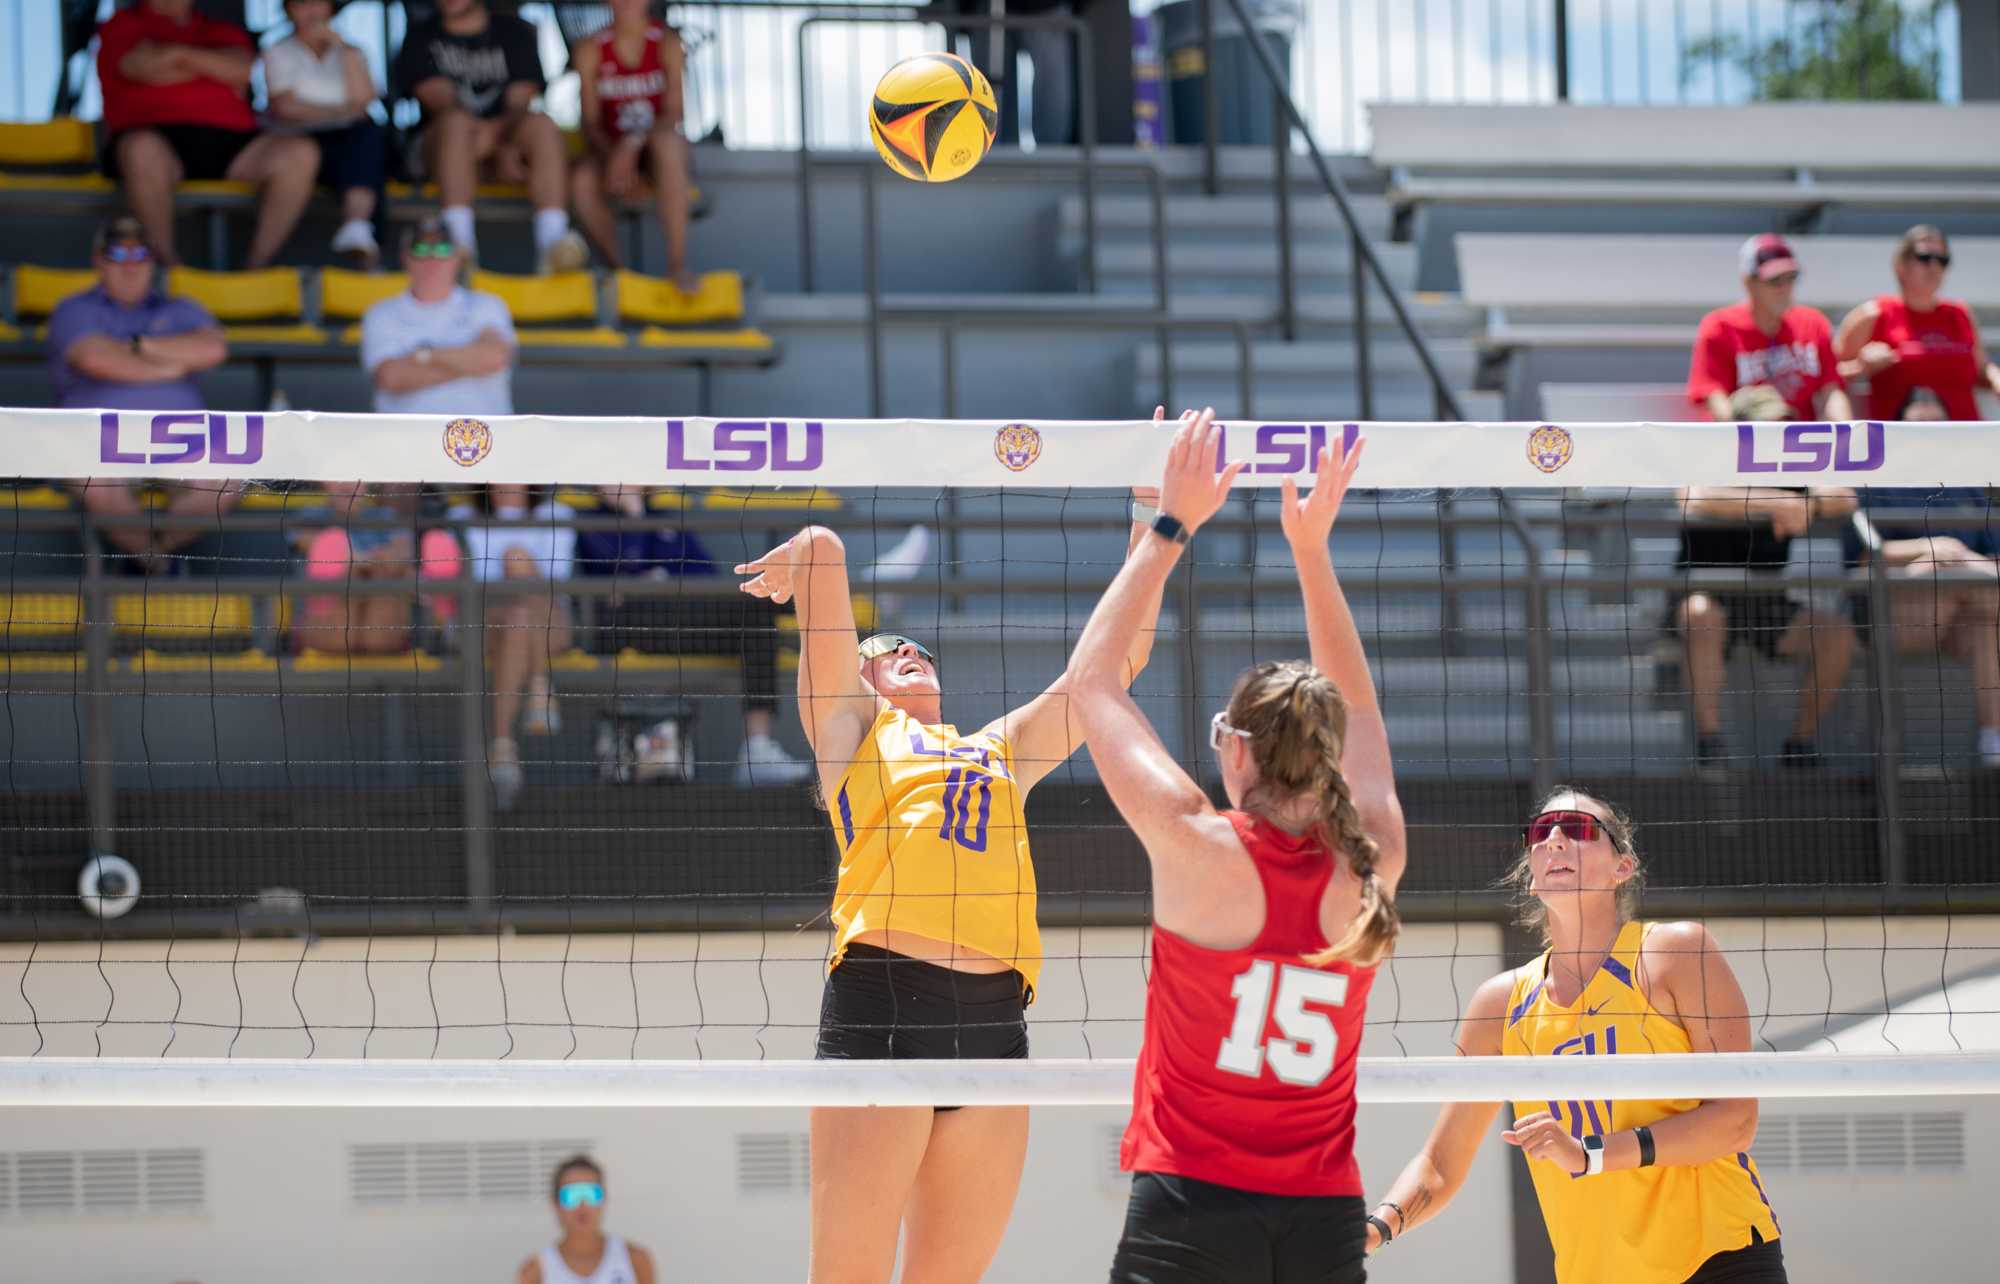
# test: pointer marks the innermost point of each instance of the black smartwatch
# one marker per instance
(1381, 1227)
(1169, 528)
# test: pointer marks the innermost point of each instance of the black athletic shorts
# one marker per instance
(1763, 1262)
(884, 1006)
(1182, 1231)
(205, 152)
(1755, 620)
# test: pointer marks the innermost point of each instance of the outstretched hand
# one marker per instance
(1192, 490)
(1307, 522)
(771, 574)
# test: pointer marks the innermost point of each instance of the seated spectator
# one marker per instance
(584, 1252)
(176, 107)
(476, 75)
(319, 83)
(344, 551)
(739, 627)
(1767, 340)
(441, 349)
(631, 73)
(1956, 612)
(124, 344)
(1749, 531)
(1915, 339)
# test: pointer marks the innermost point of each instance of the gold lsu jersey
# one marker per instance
(933, 841)
(1652, 1225)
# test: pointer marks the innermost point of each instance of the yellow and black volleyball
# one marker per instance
(933, 117)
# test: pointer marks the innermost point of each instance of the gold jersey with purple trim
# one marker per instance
(933, 842)
(1652, 1225)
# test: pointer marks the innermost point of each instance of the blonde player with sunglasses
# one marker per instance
(585, 1254)
(936, 948)
(1642, 1192)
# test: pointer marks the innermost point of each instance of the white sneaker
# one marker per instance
(503, 770)
(765, 762)
(568, 254)
(356, 240)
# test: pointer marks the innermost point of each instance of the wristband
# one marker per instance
(136, 349)
(1171, 529)
(1645, 1136)
(1382, 1227)
(1143, 514)
(1593, 1156)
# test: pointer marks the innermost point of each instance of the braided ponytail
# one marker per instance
(1298, 725)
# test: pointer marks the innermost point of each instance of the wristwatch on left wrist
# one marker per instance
(1171, 529)
(1593, 1156)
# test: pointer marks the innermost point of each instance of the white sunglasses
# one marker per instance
(1218, 727)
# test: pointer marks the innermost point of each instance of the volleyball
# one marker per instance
(933, 117)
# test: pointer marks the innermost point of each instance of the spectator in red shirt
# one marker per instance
(1914, 339)
(176, 107)
(1767, 341)
(631, 73)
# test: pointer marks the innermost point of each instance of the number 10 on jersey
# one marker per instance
(1304, 1054)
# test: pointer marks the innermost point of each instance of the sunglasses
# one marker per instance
(889, 643)
(1577, 826)
(1931, 260)
(1218, 727)
(127, 253)
(432, 249)
(575, 1193)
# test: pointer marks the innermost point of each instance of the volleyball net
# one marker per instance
(450, 745)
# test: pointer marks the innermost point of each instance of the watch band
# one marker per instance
(1645, 1136)
(1381, 1226)
(1593, 1156)
(1169, 528)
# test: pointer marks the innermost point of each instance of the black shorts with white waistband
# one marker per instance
(883, 1006)
(1182, 1231)
(1759, 1262)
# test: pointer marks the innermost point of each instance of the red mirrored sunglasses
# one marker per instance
(1577, 826)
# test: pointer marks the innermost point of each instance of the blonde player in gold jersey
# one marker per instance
(936, 949)
(1637, 1192)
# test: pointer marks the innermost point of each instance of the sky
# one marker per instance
(1346, 53)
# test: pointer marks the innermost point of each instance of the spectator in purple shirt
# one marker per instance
(124, 344)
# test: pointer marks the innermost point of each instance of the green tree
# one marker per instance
(1844, 49)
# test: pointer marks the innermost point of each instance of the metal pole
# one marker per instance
(1364, 379)
(1562, 50)
(805, 173)
(1281, 168)
(474, 782)
(1893, 849)
(1245, 381)
(871, 283)
(1210, 179)
(99, 777)
(1541, 671)
(1086, 132)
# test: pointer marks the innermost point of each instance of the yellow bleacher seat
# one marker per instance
(345, 294)
(813, 498)
(217, 187)
(22, 663)
(182, 617)
(36, 496)
(68, 184)
(38, 615)
(591, 337)
(9, 334)
(648, 300)
(237, 662)
(268, 294)
(63, 141)
(37, 289)
(563, 297)
(311, 661)
(747, 340)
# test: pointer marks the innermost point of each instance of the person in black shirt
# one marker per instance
(1748, 532)
(477, 75)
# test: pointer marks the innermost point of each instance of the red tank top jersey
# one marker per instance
(631, 98)
(1246, 1075)
(1937, 350)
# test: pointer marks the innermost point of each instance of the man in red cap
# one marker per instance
(1767, 342)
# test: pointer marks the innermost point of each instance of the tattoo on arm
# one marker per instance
(1420, 1199)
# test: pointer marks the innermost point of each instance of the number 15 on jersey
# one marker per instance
(1304, 1054)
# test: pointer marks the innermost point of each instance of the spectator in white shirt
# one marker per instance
(438, 348)
(319, 83)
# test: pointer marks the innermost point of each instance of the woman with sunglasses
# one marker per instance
(1642, 1192)
(585, 1254)
(936, 948)
(1269, 919)
(1915, 338)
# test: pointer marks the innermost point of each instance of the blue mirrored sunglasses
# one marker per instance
(129, 252)
(571, 1194)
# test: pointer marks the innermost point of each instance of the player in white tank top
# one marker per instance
(584, 1254)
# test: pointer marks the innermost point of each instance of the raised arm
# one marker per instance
(1336, 652)
(1438, 1172)
(1044, 732)
(835, 705)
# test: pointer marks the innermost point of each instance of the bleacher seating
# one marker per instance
(1804, 156)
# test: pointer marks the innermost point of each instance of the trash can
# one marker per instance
(1244, 105)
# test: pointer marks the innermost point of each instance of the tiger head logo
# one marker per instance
(1017, 446)
(467, 441)
(1550, 447)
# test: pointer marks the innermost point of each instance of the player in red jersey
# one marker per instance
(631, 73)
(1269, 918)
